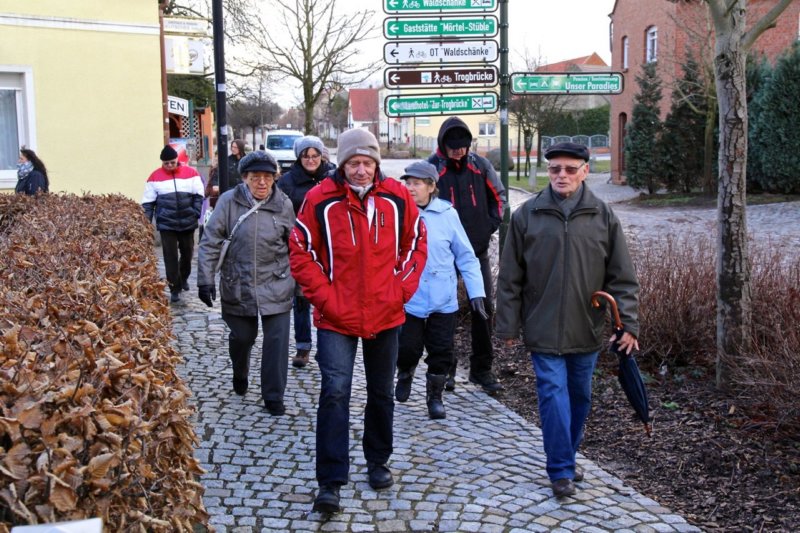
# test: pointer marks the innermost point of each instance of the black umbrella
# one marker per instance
(629, 376)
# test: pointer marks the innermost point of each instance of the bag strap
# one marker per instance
(244, 216)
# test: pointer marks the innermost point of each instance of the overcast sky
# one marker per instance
(551, 30)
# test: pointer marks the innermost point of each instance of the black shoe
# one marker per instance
(450, 382)
(327, 500)
(185, 285)
(402, 390)
(578, 474)
(563, 487)
(487, 381)
(275, 408)
(379, 476)
(175, 297)
(433, 396)
(240, 386)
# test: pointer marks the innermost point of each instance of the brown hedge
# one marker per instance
(94, 419)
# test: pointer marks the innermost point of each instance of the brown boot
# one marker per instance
(300, 359)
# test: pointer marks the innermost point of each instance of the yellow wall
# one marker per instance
(97, 94)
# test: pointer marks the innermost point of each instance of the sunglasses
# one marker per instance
(571, 171)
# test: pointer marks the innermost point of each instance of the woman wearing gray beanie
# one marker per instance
(306, 172)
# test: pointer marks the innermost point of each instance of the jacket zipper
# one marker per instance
(563, 287)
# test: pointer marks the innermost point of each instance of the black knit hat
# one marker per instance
(168, 153)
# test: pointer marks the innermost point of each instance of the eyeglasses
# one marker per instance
(571, 171)
(266, 178)
(311, 157)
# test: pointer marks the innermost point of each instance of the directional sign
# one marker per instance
(566, 83)
(436, 52)
(395, 78)
(445, 27)
(440, 104)
(425, 6)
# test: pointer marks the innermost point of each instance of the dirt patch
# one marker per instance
(705, 461)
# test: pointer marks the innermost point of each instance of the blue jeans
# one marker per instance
(336, 354)
(301, 309)
(564, 387)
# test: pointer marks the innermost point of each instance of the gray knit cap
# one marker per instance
(357, 142)
(421, 170)
(309, 141)
(258, 160)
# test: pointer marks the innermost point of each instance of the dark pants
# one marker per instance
(336, 354)
(302, 323)
(434, 334)
(482, 352)
(177, 269)
(274, 351)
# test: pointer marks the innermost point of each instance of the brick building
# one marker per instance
(662, 31)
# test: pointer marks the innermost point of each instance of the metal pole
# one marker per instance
(164, 93)
(219, 81)
(504, 80)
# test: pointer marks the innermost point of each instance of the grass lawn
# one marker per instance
(701, 200)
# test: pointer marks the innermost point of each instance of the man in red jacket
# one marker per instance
(357, 250)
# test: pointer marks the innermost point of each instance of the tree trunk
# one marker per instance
(733, 266)
(709, 178)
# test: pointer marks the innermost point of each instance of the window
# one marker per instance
(651, 45)
(487, 129)
(625, 52)
(16, 120)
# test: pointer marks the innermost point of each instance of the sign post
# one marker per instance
(428, 6)
(566, 83)
(438, 52)
(467, 76)
(444, 27)
(452, 103)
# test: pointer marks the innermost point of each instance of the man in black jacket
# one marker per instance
(174, 195)
(470, 183)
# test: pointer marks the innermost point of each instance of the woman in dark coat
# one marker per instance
(31, 174)
(255, 282)
(308, 170)
(236, 155)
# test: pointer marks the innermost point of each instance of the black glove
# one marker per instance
(207, 294)
(477, 305)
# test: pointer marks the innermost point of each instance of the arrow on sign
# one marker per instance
(394, 78)
(519, 85)
(393, 28)
(393, 3)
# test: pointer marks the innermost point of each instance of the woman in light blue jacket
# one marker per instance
(431, 312)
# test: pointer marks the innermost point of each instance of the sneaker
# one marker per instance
(578, 474)
(563, 487)
(327, 500)
(175, 297)
(379, 476)
(300, 359)
(487, 381)
(275, 408)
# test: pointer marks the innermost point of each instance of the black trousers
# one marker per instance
(435, 334)
(274, 350)
(482, 351)
(177, 268)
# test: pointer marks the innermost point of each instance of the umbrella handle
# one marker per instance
(596, 303)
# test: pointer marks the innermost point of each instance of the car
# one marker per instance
(281, 144)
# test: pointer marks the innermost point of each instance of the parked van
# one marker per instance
(281, 144)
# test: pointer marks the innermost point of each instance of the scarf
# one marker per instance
(23, 169)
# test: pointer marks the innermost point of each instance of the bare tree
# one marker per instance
(317, 47)
(733, 41)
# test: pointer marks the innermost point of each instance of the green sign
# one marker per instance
(426, 6)
(440, 104)
(566, 83)
(404, 28)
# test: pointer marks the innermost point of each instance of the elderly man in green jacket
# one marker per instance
(563, 244)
